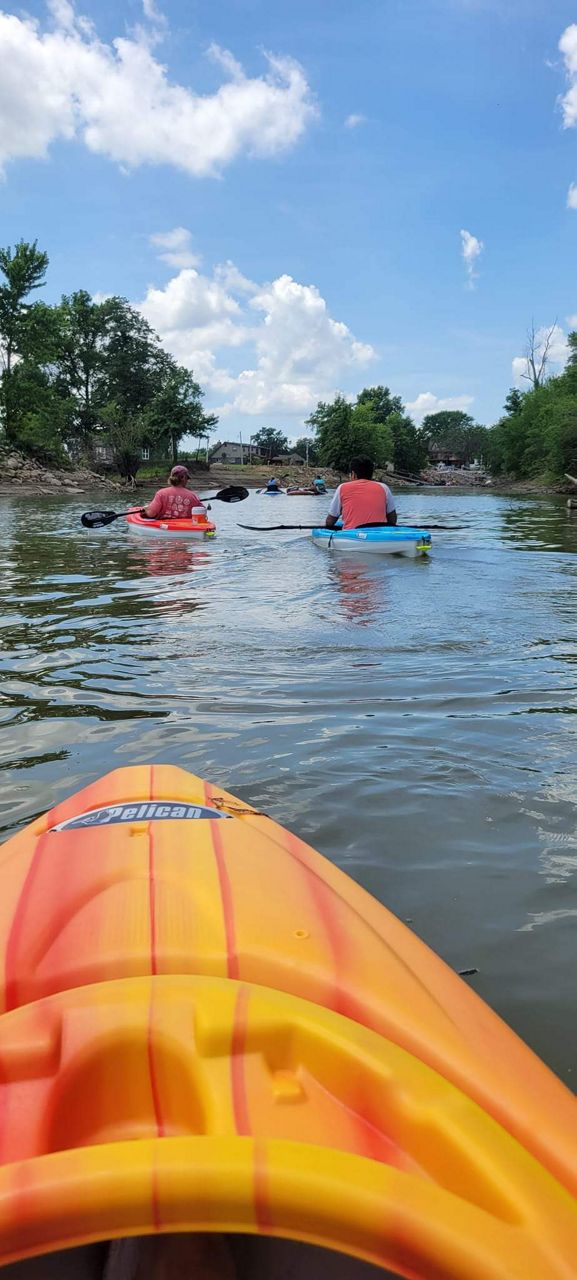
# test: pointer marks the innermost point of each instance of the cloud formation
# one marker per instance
(471, 249)
(354, 120)
(568, 47)
(426, 403)
(176, 247)
(256, 348)
(64, 83)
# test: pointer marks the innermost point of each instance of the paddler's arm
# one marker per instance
(153, 509)
(334, 510)
(391, 509)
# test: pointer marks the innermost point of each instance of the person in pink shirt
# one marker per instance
(362, 500)
(175, 501)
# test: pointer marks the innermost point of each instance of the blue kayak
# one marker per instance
(381, 541)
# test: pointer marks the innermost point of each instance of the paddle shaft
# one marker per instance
(271, 528)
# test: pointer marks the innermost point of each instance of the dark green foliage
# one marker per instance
(410, 451)
(375, 426)
(453, 431)
(86, 371)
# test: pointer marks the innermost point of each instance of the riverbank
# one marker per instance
(26, 476)
(22, 475)
(257, 477)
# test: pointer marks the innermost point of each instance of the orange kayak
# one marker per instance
(199, 529)
(205, 1026)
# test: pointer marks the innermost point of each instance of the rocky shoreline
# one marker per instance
(22, 475)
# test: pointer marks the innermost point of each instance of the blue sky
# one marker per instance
(282, 187)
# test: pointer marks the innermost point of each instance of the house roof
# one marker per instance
(235, 444)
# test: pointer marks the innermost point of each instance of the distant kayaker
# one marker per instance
(361, 500)
(319, 485)
(273, 485)
(175, 501)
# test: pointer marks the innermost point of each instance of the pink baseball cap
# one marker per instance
(180, 473)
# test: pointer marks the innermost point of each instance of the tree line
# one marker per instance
(84, 371)
(537, 434)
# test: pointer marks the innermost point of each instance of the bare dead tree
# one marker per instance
(537, 354)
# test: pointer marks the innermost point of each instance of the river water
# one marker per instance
(414, 720)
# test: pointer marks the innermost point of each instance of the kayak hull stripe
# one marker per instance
(237, 1054)
(225, 894)
(13, 946)
(262, 1210)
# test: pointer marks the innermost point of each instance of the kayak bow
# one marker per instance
(208, 1026)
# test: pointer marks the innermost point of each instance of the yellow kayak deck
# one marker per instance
(205, 1025)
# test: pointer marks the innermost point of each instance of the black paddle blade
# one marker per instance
(232, 493)
(94, 519)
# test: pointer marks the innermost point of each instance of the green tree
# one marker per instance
(371, 436)
(445, 428)
(382, 401)
(454, 431)
(175, 409)
(135, 365)
(572, 345)
(344, 430)
(81, 366)
(333, 426)
(126, 435)
(271, 441)
(24, 270)
(307, 447)
(513, 401)
(410, 452)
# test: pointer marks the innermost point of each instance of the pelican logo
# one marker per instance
(113, 815)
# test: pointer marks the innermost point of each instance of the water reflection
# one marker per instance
(361, 587)
(162, 559)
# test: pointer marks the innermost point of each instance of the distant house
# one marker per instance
(290, 459)
(235, 453)
(101, 454)
(446, 456)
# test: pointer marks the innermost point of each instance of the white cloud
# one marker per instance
(152, 14)
(232, 279)
(471, 249)
(572, 196)
(297, 354)
(556, 354)
(572, 322)
(65, 83)
(176, 247)
(519, 367)
(568, 47)
(354, 120)
(426, 403)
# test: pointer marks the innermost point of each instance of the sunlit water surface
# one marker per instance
(414, 720)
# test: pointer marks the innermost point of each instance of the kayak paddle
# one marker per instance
(95, 519)
(270, 528)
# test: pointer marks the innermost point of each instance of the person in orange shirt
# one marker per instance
(362, 500)
(175, 501)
